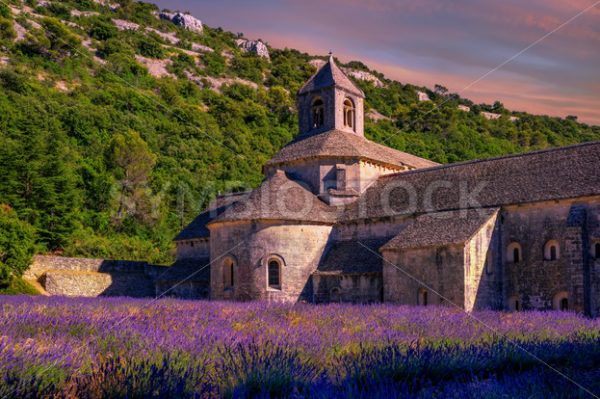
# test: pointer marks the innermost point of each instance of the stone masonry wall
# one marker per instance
(334, 111)
(190, 249)
(252, 244)
(93, 277)
(593, 235)
(535, 281)
(483, 282)
(439, 268)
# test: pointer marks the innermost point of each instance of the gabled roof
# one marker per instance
(280, 198)
(360, 256)
(340, 144)
(330, 75)
(562, 173)
(440, 229)
(197, 228)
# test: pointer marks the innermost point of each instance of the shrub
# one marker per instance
(103, 30)
(115, 46)
(7, 31)
(13, 81)
(4, 11)
(54, 40)
(151, 48)
(59, 10)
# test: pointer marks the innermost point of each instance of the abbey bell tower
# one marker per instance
(330, 101)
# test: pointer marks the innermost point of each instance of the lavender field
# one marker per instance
(124, 348)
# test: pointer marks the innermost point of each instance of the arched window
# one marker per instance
(561, 301)
(274, 274)
(514, 303)
(552, 250)
(318, 113)
(423, 297)
(228, 273)
(597, 250)
(514, 253)
(564, 304)
(349, 113)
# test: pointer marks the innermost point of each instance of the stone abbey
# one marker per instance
(341, 218)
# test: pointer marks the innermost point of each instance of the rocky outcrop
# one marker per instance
(20, 31)
(121, 24)
(186, 21)
(254, 46)
(107, 3)
(422, 96)
(168, 37)
(201, 48)
(217, 83)
(317, 63)
(156, 68)
(77, 13)
(366, 76)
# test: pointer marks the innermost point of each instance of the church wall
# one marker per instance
(340, 97)
(334, 111)
(366, 229)
(483, 276)
(593, 226)
(252, 244)
(190, 249)
(439, 269)
(370, 172)
(320, 174)
(305, 102)
(349, 288)
(536, 281)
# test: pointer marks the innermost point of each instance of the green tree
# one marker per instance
(17, 245)
(134, 162)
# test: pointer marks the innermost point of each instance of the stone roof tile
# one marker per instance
(358, 256)
(197, 228)
(340, 144)
(328, 76)
(280, 198)
(562, 173)
(440, 229)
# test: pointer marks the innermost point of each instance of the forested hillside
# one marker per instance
(117, 126)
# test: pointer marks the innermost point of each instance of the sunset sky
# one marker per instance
(453, 43)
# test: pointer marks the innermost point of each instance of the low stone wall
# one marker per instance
(94, 277)
(42, 263)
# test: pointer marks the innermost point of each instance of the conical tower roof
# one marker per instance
(330, 75)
